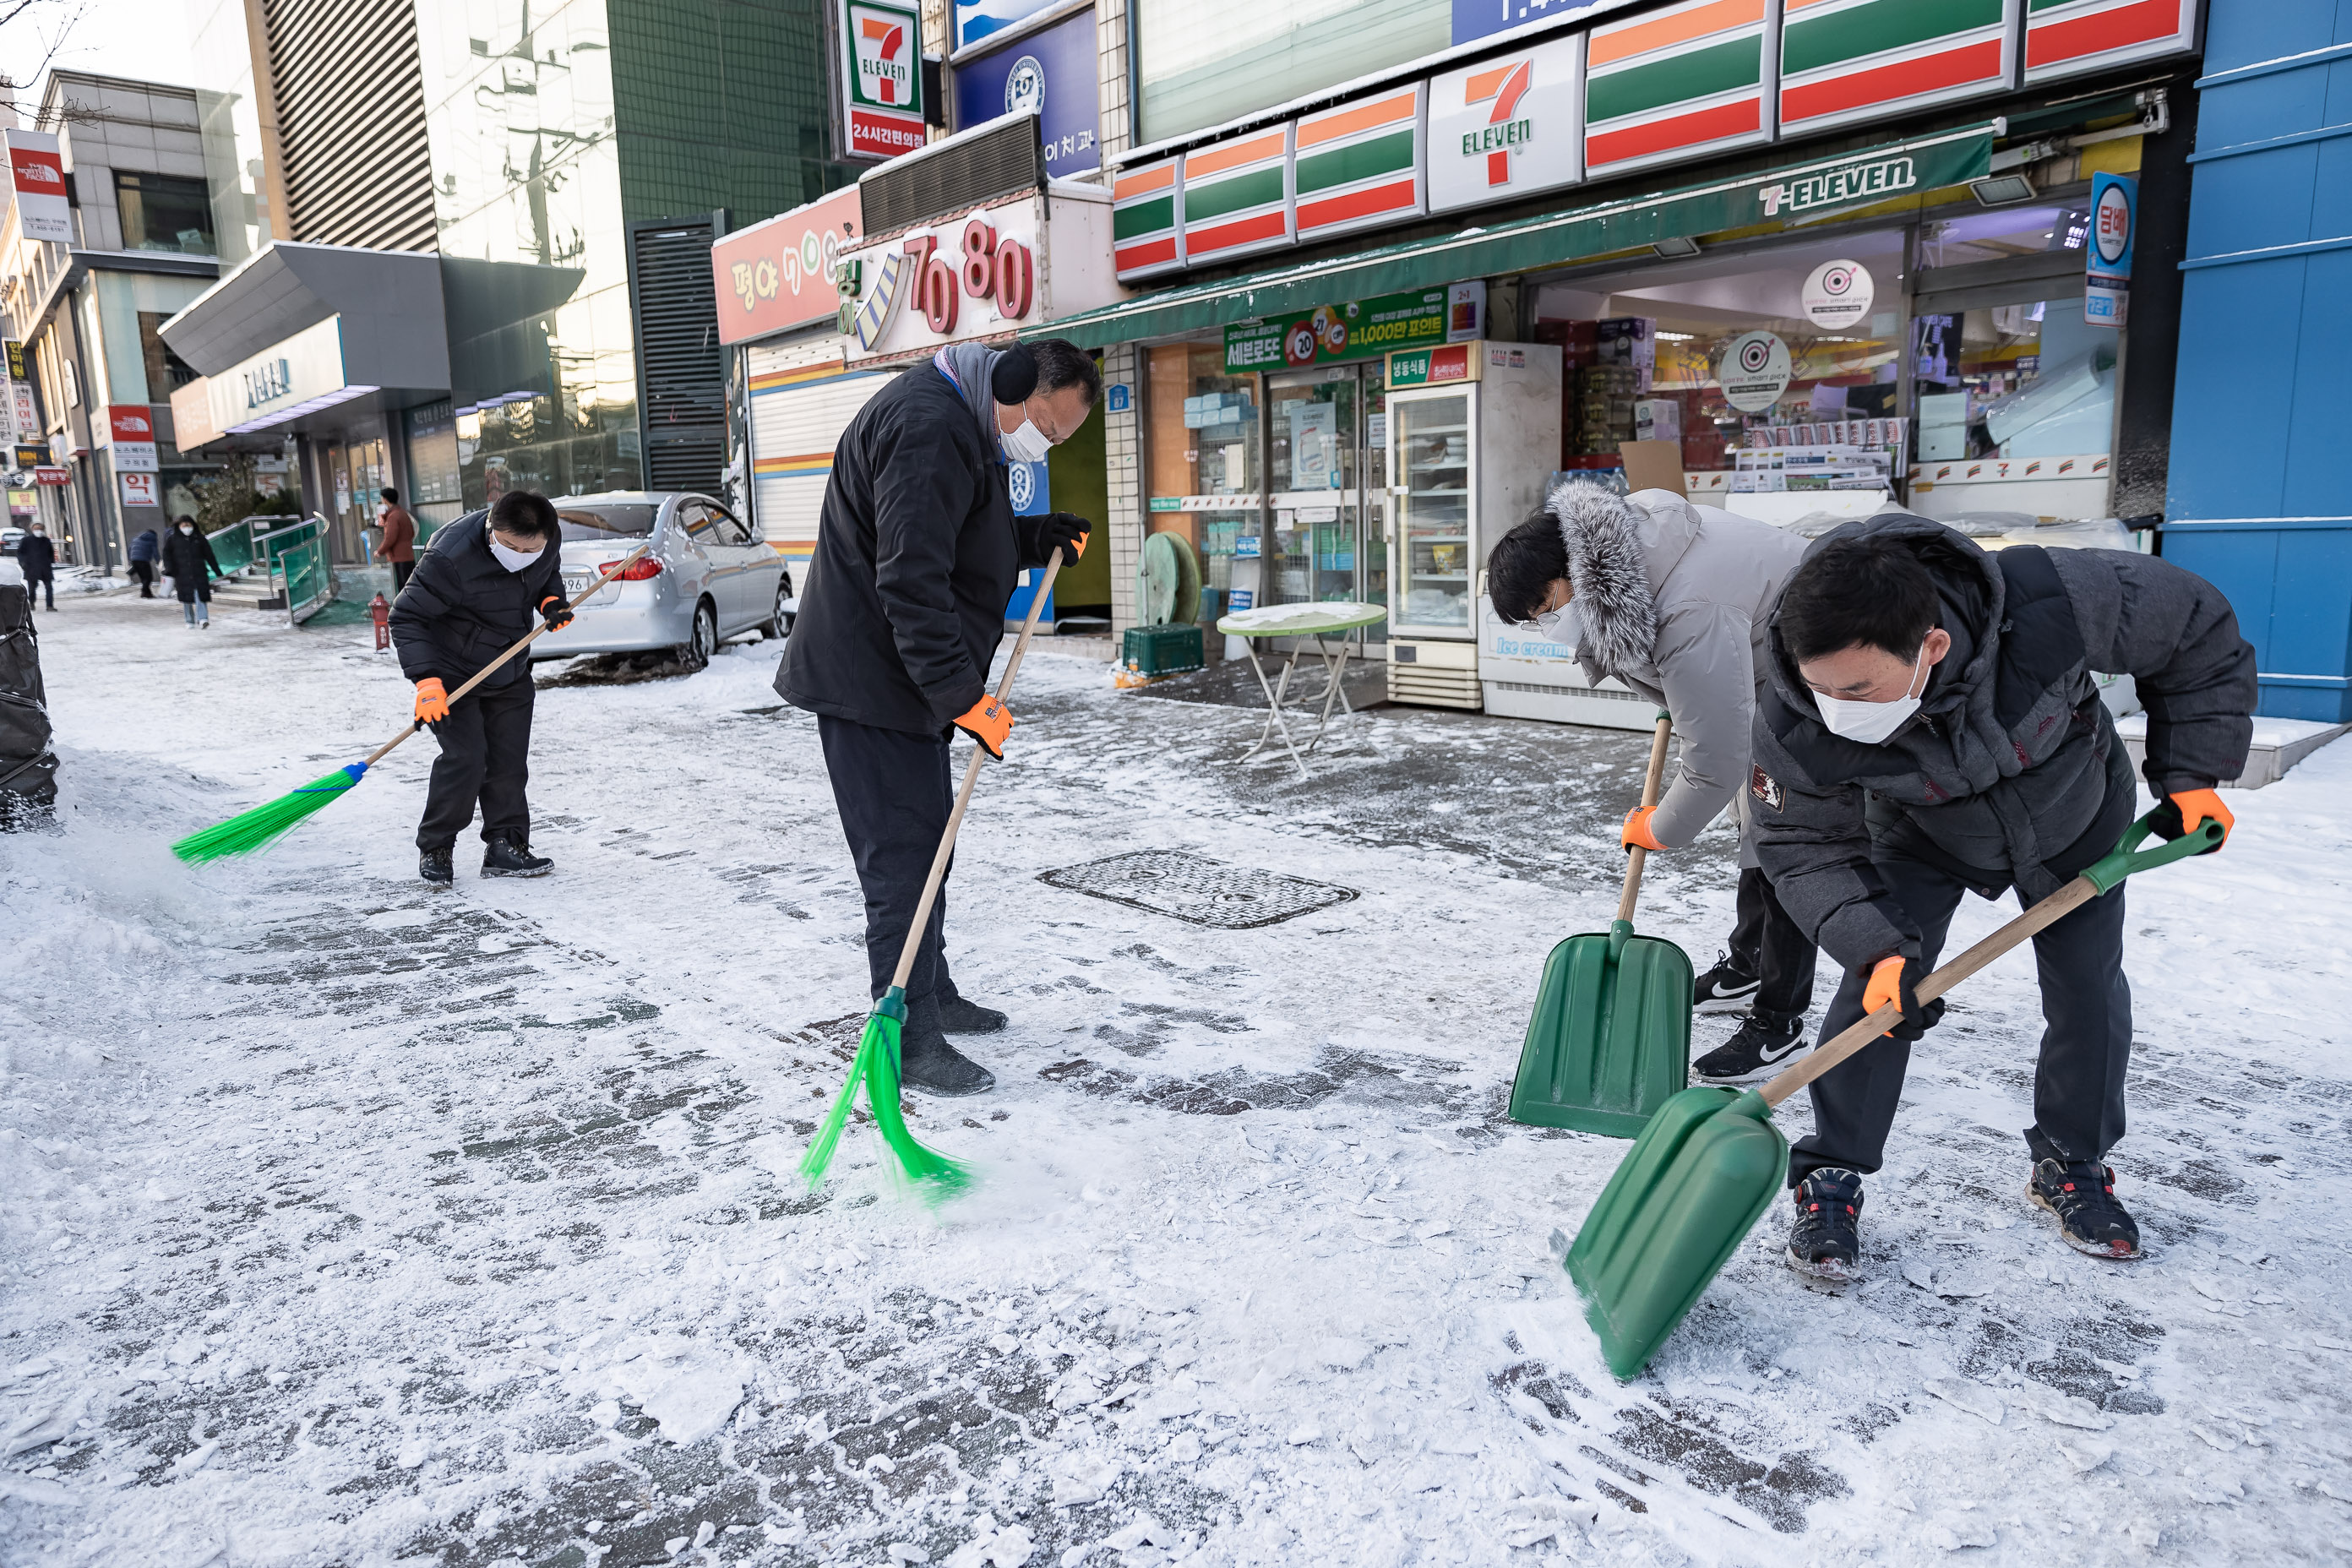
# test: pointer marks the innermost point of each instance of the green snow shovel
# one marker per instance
(877, 1066)
(1609, 1039)
(1710, 1162)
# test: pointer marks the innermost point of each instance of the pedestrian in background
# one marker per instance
(36, 553)
(487, 581)
(144, 551)
(189, 560)
(399, 538)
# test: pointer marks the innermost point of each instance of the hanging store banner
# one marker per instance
(2069, 37)
(778, 275)
(1051, 74)
(38, 173)
(139, 490)
(2107, 260)
(880, 54)
(1146, 239)
(1236, 197)
(1330, 334)
(130, 430)
(1358, 166)
(1848, 60)
(1506, 127)
(1676, 84)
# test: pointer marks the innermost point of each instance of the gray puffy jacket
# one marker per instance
(1673, 598)
(2011, 770)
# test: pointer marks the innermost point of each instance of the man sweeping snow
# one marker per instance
(1670, 598)
(1931, 727)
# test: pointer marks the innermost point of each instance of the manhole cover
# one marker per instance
(1196, 889)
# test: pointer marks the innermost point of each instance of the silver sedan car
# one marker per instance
(707, 577)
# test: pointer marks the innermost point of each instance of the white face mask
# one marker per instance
(514, 560)
(187, 528)
(1562, 625)
(1872, 723)
(1027, 443)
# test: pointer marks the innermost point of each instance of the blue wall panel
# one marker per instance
(2258, 435)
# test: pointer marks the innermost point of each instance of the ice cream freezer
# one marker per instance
(1474, 436)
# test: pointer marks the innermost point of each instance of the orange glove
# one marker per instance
(988, 723)
(1637, 829)
(432, 700)
(2185, 811)
(1892, 982)
(556, 611)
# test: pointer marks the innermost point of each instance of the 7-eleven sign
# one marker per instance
(881, 78)
(1504, 128)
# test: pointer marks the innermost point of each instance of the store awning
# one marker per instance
(1811, 191)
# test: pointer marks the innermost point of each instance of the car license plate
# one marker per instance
(576, 584)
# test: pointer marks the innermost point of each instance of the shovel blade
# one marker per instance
(1609, 1042)
(1697, 1180)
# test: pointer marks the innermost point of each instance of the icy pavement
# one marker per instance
(351, 1222)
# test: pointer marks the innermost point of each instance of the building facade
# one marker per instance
(88, 310)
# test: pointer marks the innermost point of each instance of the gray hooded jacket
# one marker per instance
(1673, 598)
(2011, 771)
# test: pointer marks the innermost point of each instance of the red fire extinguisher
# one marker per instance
(380, 612)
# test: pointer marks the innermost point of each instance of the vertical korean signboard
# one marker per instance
(880, 51)
(39, 180)
(2107, 260)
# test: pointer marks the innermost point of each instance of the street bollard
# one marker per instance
(380, 612)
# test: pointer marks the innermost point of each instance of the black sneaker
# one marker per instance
(2081, 1194)
(1763, 1042)
(433, 865)
(1828, 1234)
(926, 1060)
(1725, 988)
(511, 857)
(959, 1015)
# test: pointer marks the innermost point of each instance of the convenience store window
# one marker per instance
(1719, 355)
(1206, 464)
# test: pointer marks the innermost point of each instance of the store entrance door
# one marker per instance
(1327, 481)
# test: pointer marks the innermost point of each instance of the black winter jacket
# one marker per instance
(917, 553)
(189, 556)
(461, 609)
(37, 554)
(2011, 771)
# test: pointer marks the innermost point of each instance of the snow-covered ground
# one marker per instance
(351, 1222)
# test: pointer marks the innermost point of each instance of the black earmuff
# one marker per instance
(1015, 376)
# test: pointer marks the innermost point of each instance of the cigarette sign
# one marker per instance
(881, 78)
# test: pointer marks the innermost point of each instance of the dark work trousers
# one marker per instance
(143, 574)
(894, 794)
(2078, 1085)
(400, 571)
(42, 579)
(485, 756)
(1768, 944)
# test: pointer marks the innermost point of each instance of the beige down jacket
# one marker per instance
(1675, 599)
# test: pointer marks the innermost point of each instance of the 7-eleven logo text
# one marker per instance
(881, 64)
(1504, 86)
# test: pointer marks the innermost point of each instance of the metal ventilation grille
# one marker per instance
(1196, 889)
(681, 372)
(970, 169)
(349, 86)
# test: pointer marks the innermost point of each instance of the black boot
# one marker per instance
(1763, 1042)
(1827, 1236)
(959, 1016)
(1725, 988)
(508, 856)
(2081, 1194)
(433, 865)
(926, 1060)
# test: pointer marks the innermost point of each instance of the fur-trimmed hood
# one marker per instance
(1608, 570)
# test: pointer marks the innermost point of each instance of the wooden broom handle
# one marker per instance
(1636, 856)
(615, 570)
(2048, 912)
(970, 777)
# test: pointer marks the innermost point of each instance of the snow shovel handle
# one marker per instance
(2100, 877)
(1636, 857)
(615, 570)
(970, 776)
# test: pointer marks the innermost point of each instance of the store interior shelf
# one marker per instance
(1416, 431)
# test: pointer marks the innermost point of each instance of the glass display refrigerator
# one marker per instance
(1474, 437)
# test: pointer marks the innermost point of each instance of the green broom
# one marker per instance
(877, 1066)
(249, 831)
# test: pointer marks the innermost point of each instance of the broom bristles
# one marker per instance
(251, 830)
(877, 1067)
